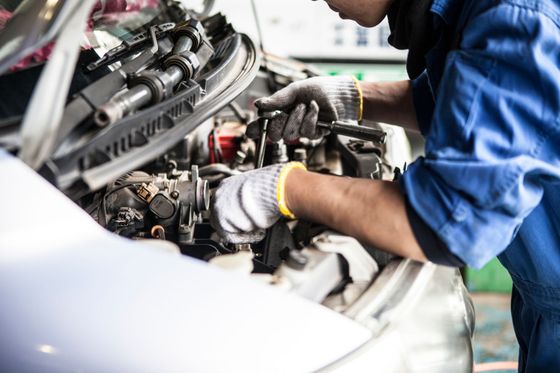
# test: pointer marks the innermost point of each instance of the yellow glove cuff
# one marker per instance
(281, 188)
(361, 98)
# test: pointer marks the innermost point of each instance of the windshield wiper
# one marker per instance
(131, 45)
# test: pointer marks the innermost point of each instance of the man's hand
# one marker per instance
(371, 211)
(247, 204)
(305, 102)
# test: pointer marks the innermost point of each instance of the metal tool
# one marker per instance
(263, 121)
(355, 131)
(339, 128)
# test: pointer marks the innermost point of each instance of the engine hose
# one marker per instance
(216, 169)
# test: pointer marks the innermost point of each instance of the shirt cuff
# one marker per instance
(424, 104)
(475, 234)
(432, 246)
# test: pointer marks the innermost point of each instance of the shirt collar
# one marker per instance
(448, 10)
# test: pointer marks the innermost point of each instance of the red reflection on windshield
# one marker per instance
(111, 10)
(104, 12)
(4, 17)
(38, 56)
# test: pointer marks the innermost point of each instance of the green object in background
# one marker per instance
(492, 278)
(365, 71)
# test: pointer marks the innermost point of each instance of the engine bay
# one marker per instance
(169, 199)
(140, 135)
(143, 146)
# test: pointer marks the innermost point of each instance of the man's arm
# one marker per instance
(372, 211)
(390, 102)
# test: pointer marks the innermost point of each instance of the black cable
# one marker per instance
(104, 200)
(216, 169)
(315, 148)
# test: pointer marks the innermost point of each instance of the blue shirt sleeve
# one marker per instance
(423, 101)
(495, 133)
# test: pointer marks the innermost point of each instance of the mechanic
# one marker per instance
(484, 90)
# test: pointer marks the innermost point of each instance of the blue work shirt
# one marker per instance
(489, 108)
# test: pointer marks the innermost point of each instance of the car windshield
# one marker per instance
(110, 22)
(115, 20)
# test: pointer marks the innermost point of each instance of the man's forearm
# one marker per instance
(390, 102)
(372, 211)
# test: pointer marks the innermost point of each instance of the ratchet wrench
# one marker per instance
(336, 127)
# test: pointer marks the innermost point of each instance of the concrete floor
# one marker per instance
(494, 339)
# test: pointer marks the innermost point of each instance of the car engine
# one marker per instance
(150, 127)
(161, 121)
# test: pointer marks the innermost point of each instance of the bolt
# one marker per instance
(171, 165)
(300, 155)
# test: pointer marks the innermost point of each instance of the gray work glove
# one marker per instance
(305, 102)
(247, 204)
